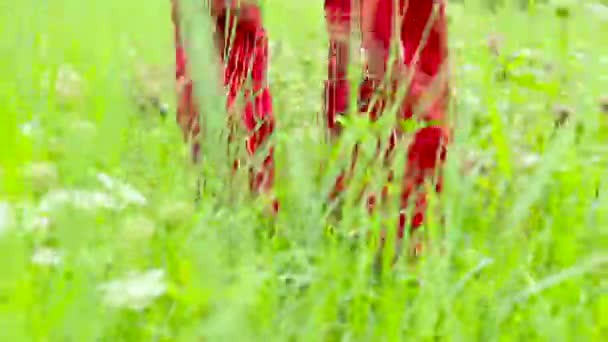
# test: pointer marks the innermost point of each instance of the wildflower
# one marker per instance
(562, 114)
(79, 199)
(125, 192)
(41, 176)
(69, 85)
(136, 291)
(604, 104)
(7, 217)
(598, 10)
(45, 256)
(30, 127)
(39, 223)
(146, 85)
(495, 43)
(529, 160)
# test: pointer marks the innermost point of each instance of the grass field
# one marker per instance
(100, 239)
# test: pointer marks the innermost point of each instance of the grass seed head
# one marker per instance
(495, 43)
(562, 114)
(41, 176)
(148, 87)
(69, 85)
(604, 104)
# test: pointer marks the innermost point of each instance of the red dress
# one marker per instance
(245, 72)
(377, 18)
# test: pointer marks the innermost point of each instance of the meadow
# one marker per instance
(100, 238)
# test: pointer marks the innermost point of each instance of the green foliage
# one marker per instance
(100, 241)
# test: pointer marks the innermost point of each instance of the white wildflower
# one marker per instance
(459, 45)
(530, 159)
(7, 217)
(41, 176)
(38, 223)
(471, 98)
(525, 53)
(578, 55)
(69, 84)
(600, 11)
(127, 193)
(469, 67)
(79, 199)
(45, 256)
(136, 291)
(30, 127)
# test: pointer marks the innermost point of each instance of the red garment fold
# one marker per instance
(242, 45)
(427, 92)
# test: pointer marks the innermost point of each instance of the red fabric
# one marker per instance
(337, 89)
(427, 152)
(245, 72)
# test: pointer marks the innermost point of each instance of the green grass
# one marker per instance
(524, 243)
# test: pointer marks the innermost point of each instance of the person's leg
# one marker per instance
(242, 44)
(338, 14)
(374, 17)
(336, 95)
(187, 111)
(424, 46)
(426, 97)
(246, 75)
(373, 97)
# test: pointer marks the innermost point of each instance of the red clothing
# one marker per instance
(245, 72)
(427, 152)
